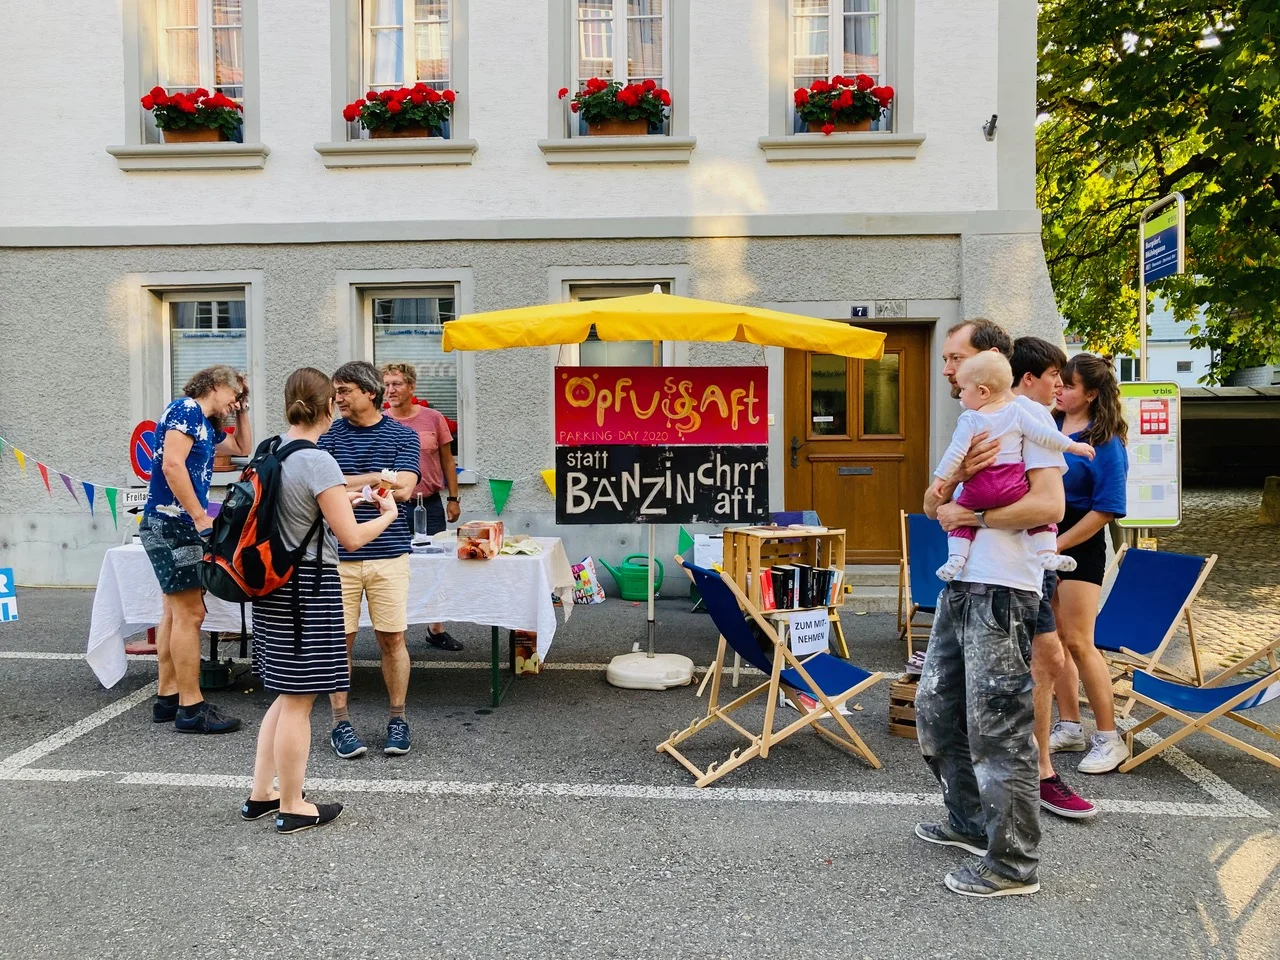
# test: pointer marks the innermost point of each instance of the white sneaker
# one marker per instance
(1106, 755)
(1061, 740)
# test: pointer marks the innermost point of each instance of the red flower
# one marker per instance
(157, 93)
(885, 96)
(148, 103)
(433, 96)
(200, 92)
(664, 97)
(863, 82)
(820, 86)
(350, 112)
(564, 92)
(420, 87)
(839, 81)
(371, 95)
(844, 101)
(649, 86)
(801, 97)
(418, 97)
(448, 96)
(827, 128)
(394, 106)
(574, 106)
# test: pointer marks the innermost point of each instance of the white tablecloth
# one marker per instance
(510, 592)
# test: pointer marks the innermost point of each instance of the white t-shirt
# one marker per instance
(1006, 558)
(1021, 420)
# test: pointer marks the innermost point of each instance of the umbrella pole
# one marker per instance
(650, 576)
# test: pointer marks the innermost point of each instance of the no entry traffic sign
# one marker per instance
(142, 446)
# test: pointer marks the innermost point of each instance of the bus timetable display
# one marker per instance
(1152, 412)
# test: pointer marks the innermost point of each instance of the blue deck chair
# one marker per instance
(827, 680)
(924, 550)
(1214, 700)
(1152, 592)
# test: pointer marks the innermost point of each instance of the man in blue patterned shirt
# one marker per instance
(365, 443)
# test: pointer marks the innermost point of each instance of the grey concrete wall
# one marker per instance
(66, 368)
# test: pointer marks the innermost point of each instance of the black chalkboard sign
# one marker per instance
(677, 484)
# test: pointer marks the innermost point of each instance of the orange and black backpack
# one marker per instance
(245, 558)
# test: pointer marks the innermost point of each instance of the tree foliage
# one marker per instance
(1139, 98)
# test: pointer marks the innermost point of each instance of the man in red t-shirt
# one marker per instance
(436, 466)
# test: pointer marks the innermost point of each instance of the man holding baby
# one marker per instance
(365, 443)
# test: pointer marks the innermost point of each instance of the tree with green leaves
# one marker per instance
(1139, 98)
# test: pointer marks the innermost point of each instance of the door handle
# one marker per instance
(795, 450)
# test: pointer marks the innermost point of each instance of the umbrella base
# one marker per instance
(639, 671)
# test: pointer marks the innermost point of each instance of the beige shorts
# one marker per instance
(385, 584)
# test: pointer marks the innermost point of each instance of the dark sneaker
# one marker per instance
(943, 835)
(203, 717)
(1059, 798)
(257, 809)
(346, 744)
(397, 744)
(164, 712)
(443, 641)
(980, 880)
(296, 822)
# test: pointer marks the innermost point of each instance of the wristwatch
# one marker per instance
(452, 500)
(982, 518)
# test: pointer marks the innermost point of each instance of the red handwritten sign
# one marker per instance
(661, 406)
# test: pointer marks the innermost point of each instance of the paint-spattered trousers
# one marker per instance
(974, 719)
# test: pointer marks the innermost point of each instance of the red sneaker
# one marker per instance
(1059, 798)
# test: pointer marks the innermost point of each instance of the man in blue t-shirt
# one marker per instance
(365, 443)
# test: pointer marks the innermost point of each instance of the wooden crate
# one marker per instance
(902, 709)
(747, 550)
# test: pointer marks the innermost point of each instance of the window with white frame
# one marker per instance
(408, 327)
(200, 44)
(203, 329)
(405, 42)
(623, 40)
(831, 38)
(594, 352)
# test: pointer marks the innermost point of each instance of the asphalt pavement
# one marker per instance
(550, 827)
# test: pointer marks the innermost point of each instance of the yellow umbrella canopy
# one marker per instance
(658, 316)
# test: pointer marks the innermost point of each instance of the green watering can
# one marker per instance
(632, 577)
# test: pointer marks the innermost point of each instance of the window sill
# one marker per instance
(645, 149)
(412, 152)
(191, 156)
(842, 146)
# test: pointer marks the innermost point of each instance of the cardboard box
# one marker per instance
(479, 539)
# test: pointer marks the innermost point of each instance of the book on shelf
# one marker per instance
(804, 585)
(784, 586)
(766, 589)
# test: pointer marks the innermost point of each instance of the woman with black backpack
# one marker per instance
(299, 640)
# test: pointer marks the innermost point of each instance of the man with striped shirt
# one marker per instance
(365, 443)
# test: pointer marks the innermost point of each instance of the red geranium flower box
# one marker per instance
(612, 109)
(417, 111)
(198, 116)
(842, 103)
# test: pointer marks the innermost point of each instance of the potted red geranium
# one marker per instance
(614, 110)
(842, 104)
(195, 117)
(417, 111)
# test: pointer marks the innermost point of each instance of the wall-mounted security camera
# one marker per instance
(989, 128)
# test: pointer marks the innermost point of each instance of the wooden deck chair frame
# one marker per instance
(907, 607)
(1126, 661)
(760, 744)
(1202, 724)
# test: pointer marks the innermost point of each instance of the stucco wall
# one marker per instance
(62, 174)
(68, 371)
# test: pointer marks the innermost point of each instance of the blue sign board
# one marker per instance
(1161, 246)
(8, 596)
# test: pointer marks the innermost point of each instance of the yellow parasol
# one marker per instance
(658, 316)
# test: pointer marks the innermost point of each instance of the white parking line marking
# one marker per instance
(94, 720)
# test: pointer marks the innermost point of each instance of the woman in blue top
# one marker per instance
(1088, 404)
(173, 524)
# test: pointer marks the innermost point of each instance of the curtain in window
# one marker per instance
(411, 330)
(203, 333)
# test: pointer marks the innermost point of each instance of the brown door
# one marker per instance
(857, 435)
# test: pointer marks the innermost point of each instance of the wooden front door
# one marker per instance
(857, 435)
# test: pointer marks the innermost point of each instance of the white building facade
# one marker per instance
(126, 262)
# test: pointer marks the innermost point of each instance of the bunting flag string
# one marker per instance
(91, 488)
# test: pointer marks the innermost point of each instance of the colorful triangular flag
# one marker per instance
(66, 482)
(44, 475)
(111, 499)
(500, 490)
(684, 542)
(549, 478)
(21, 458)
(88, 494)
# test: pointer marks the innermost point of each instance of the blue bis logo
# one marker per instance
(8, 596)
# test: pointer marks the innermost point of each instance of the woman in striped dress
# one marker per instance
(298, 670)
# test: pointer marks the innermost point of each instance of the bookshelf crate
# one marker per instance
(748, 550)
(902, 709)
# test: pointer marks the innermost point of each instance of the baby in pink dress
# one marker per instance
(986, 393)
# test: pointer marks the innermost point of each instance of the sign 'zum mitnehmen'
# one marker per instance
(677, 484)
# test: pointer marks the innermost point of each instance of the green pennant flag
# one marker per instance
(111, 499)
(685, 541)
(500, 490)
